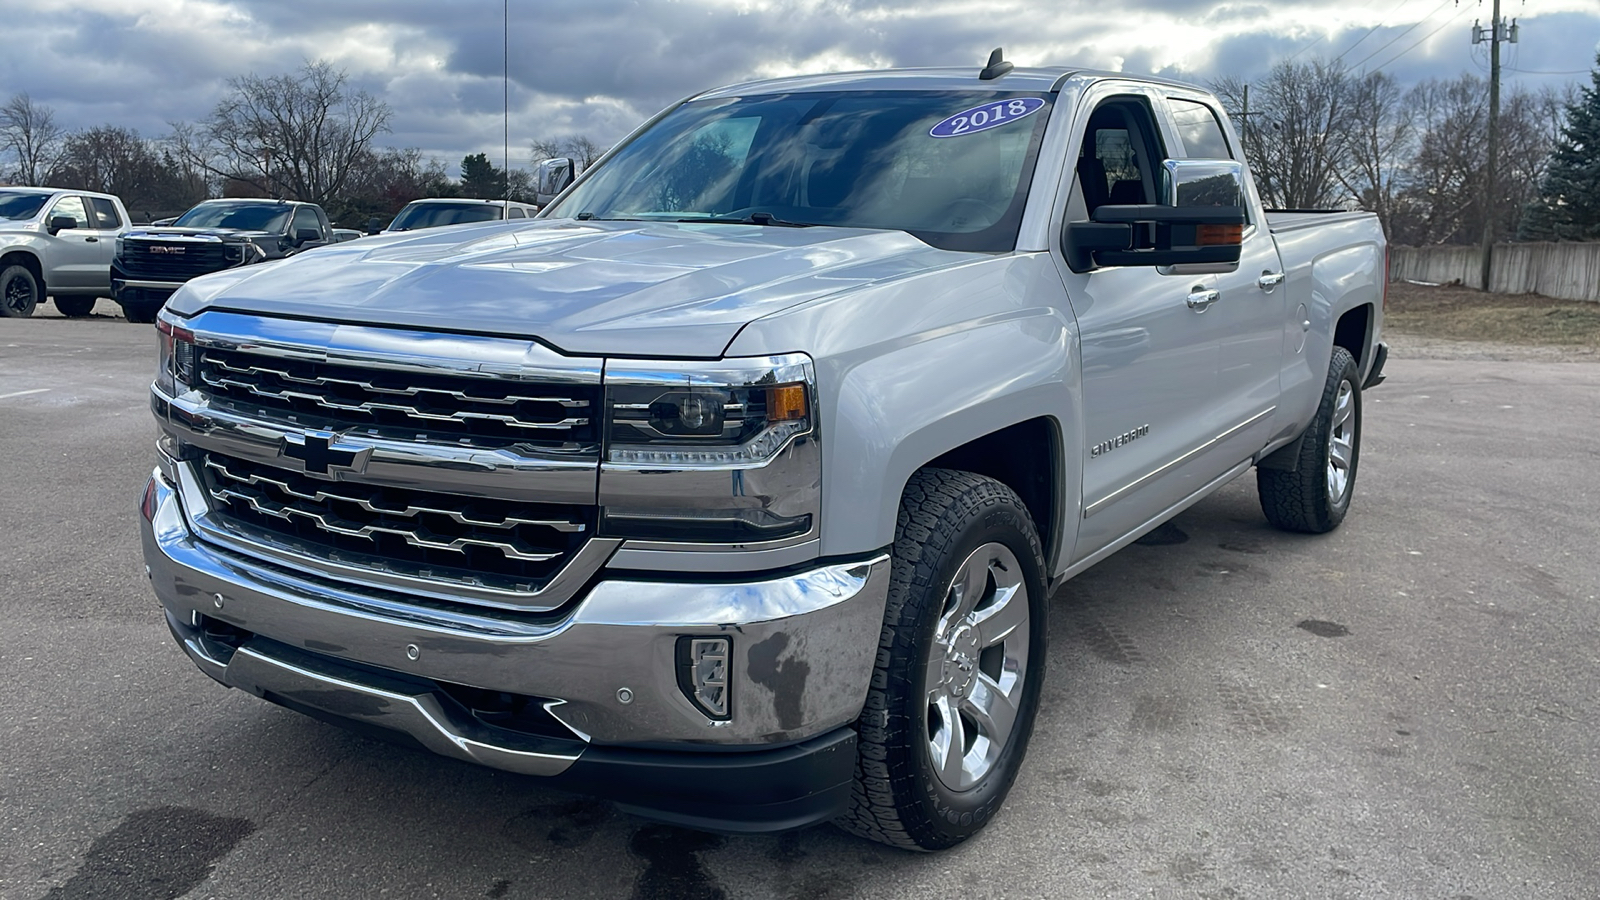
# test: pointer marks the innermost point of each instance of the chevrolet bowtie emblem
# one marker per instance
(321, 454)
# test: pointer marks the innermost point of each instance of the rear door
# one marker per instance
(107, 224)
(1248, 313)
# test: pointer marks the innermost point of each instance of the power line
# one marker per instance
(1320, 37)
(1402, 34)
(1543, 72)
(1447, 23)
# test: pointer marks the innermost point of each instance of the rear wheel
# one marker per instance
(960, 665)
(139, 314)
(19, 292)
(1314, 496)
(75, 307)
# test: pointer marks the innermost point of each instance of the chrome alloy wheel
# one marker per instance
(976, 666)
(1341, 442)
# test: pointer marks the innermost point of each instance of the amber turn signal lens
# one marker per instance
(1211, 235)
(786, 403)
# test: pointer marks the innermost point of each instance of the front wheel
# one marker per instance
(75, 307)
(19, 292)
(1314, 496)
(959, 668)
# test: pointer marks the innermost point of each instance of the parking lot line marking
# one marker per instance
(22, 393)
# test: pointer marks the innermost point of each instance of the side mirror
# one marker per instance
(1201, 222)
(374, 225)
(552, 177)
(303, 236)
(61, 223)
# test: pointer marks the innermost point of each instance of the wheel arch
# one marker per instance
(1353, 332)
(28, 261)
(1011, 456)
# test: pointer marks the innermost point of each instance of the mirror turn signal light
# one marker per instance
(1215, 235)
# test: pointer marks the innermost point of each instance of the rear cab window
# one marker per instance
(105, 214)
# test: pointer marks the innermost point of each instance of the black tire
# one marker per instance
(140, 315)
(19, 292)
(947, 519)
(75, 307)
(1306, 499)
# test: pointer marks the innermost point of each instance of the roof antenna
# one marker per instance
(997, 66)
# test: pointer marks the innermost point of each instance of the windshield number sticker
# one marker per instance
(987, 116)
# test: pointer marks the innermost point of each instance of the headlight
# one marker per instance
(119, 246)
(243, 254)
(719, 414)
(175, 372)
(711, 453)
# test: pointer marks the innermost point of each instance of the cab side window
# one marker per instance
(1118, 158)
(516, 212)
(105, 213)
(1199, 130)
(71, 206)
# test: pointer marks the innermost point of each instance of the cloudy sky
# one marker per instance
(598, 67)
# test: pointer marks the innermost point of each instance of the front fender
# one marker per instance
(911, 369)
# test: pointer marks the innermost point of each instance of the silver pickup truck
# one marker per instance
(56, 243)
(734, 486)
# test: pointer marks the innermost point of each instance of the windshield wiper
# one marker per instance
(755, 218)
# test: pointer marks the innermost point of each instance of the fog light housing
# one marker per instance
(704, 674)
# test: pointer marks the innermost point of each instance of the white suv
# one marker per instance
(437, 211)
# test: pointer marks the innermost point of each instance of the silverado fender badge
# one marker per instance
(322, 456)
(1128, 437)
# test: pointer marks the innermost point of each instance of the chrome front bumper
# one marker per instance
(605, 666)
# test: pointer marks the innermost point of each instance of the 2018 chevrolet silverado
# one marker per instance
(732, 487)
(154, 261)
(56, 243)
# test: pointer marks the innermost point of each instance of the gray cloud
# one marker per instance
(599, 67)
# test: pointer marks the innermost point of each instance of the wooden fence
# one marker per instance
(1567, 271)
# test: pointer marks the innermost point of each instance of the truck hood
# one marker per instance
(591, 288)
(158, 232)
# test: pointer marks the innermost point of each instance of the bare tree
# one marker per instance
(581, 148)
(296, 135)
(29, 132)
(1294, 138)
(1378, 141)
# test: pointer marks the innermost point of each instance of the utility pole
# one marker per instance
(1497, 32)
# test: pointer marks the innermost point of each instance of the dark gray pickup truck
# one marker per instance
(154, 261)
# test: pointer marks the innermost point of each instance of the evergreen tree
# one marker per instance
(480, 179)
(1568, 206)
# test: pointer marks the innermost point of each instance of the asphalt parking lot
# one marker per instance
(1404, 708)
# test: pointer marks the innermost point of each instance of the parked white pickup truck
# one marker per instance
(734, 486)
(56, 243)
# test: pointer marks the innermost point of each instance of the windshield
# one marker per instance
(951, 167)
(432, 215)
(14, 205)
(243, 216)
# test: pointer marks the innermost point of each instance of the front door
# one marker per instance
(1149, 357)
(75, 259)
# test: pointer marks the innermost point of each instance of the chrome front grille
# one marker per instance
(424, 405)
(422, 531)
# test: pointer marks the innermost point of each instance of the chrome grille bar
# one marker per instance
(409, 391)
(327, 402)
(327, 522)
(409, 510)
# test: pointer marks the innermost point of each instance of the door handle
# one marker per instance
(91, 240)
(1269, 280)
(1201, 300)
